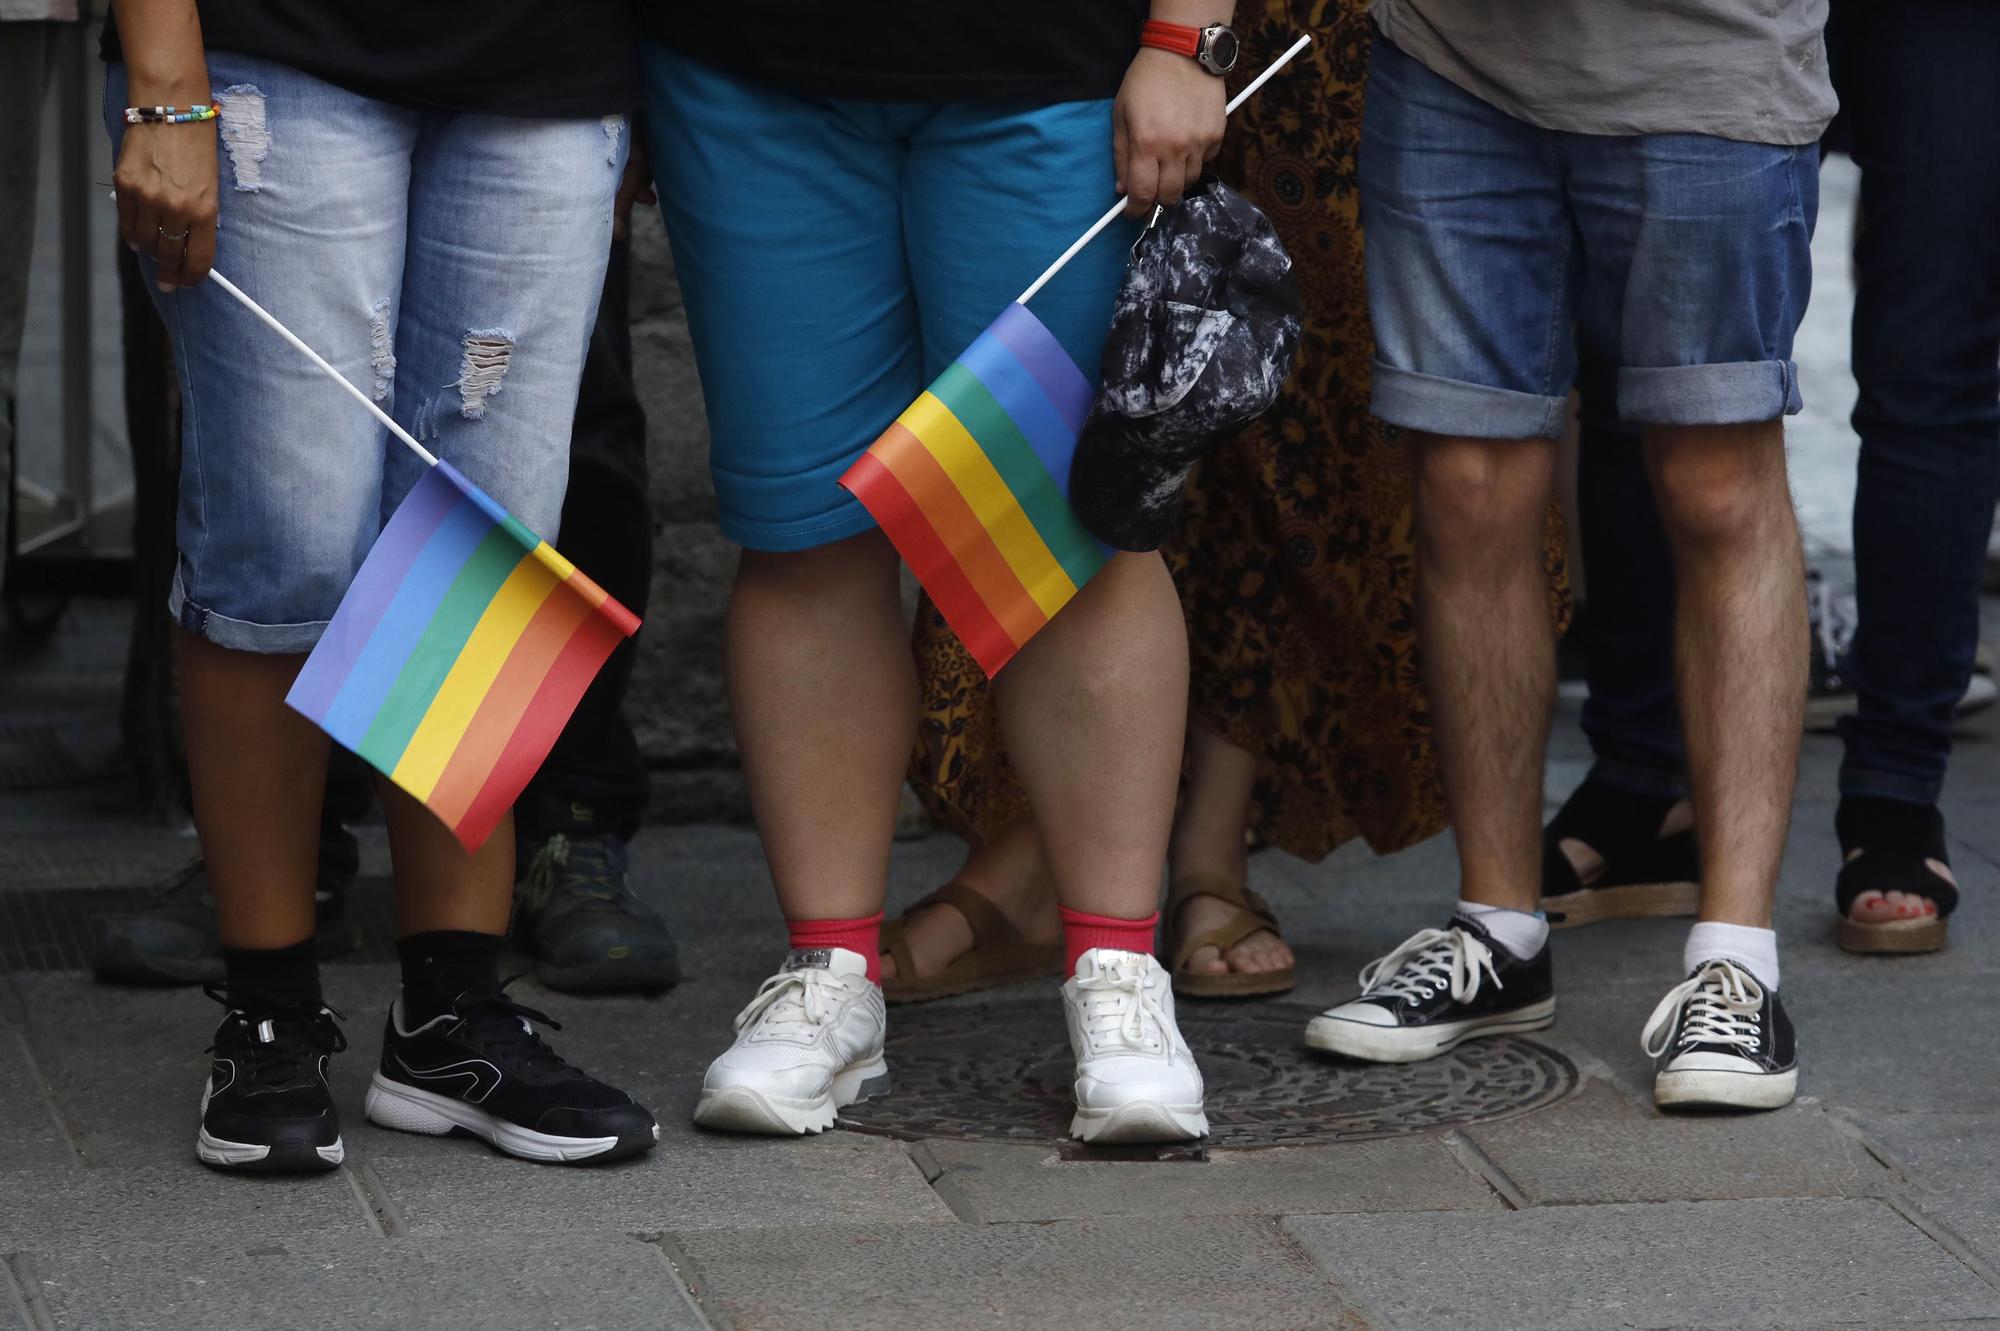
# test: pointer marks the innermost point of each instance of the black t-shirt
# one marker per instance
(1038, 51)
(555, 58)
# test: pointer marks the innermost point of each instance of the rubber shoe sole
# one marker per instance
(1139, 1122)
(1709, 1088)
(746, 1109)
(294, 1157)
(1400, 1044)
(412, 1109)
(1630, 901)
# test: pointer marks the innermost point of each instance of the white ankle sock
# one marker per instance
(1756, 950)
(1520, 932)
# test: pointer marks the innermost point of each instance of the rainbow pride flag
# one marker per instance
(459, 653)
(971, 484)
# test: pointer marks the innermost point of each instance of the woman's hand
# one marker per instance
(166, 183)
(1165, 127)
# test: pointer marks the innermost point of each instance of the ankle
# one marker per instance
(1082, 932)
(281, 975)
(862, 936)
(441, 964)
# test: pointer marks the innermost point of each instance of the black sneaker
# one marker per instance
(266, 1108)
(1722, 1040)
(586, 928)
(1440, 987)
(482, 1069)
(174, 939)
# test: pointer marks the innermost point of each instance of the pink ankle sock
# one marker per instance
(1083, 932)
(863, 936)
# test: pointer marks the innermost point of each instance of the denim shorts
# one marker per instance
(448, 264)
(836, 255)
(1494, 245)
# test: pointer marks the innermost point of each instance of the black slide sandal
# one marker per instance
(1644, 875)
(1886, 846)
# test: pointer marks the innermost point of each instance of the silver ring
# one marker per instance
(171, 235)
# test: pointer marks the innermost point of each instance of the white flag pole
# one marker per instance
(1097, 228)
(430, 458)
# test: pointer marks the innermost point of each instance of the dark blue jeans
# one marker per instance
(1921, 115)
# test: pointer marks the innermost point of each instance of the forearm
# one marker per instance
(165, 63)
(1194, 13)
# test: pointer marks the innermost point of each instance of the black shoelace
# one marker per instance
(582, 867)
(501, 1027)
(301, 1032)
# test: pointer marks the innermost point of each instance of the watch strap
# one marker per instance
(1179, 38)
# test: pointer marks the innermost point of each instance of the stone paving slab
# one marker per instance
(1952, 1160)
(88, 1209)
(1604, 1148)
(1667, 1265)
(283, 1284)
(30, 1138)
(456, 1187)
(1169, 1274)
(990, 1181)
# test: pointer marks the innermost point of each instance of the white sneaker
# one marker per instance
(1135, 1079)
(809, 1044)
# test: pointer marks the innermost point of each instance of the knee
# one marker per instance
(1720, 492)
(1474, 495)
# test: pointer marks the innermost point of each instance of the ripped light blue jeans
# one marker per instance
(445, 262)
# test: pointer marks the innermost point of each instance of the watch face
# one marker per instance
(1222, 49)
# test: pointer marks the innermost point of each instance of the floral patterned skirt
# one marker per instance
(1293, 556)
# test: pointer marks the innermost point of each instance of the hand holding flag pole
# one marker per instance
(971, 483)
(463, 645)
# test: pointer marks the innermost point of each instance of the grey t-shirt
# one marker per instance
(1753, 70)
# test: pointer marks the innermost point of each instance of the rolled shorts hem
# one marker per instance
(1731, 393)
(1862, 784)
(785, 538)
(241, 634)
(1465, 410)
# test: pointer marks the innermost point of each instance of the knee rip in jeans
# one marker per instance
(487, 352)
(244, 134)
(381, 348)
(614, 131)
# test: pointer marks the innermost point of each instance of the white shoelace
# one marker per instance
(794, 1001)
(1723, 1001)
(1118, 999)
(1430, 961)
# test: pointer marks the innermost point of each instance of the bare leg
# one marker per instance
(825, 699)
(259, 772)
(1093, 711)
(1489, 651)
(438, 885)
(1740, 649)
(1208, 839)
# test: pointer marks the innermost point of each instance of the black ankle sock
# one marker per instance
(273, 974)
(440, 965)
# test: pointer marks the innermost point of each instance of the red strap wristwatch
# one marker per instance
(1214, 47)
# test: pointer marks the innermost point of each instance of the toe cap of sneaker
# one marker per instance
(1709, 1060)
(1360, 1013)
(622, 1121)
(1108, 1083)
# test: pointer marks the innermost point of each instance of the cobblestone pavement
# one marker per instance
(1523, 1184)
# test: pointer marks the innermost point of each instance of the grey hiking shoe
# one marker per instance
(174, 938)
(586, 928)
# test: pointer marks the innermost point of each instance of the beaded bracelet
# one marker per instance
(168, 115)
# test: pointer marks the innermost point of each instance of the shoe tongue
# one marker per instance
(1098, 960)
(1476, 929)
(838, 961)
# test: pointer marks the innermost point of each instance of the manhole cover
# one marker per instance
(1001, 1072)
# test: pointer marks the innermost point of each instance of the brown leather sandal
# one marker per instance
(999, 954)
(1253, 915)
